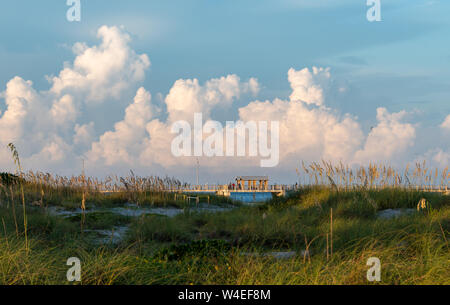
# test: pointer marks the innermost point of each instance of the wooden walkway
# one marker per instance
(279, 190)
(225, 191)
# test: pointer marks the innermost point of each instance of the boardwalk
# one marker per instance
(225, 190)
(279, 190)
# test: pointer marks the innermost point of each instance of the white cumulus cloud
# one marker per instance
(389, 139)
(102, 71)
(446, 123)
(308, 86)
(123, 143)
(188, 96)
(45, 125)
(52, 131)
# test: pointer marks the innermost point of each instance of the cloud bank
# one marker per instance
(50, 129)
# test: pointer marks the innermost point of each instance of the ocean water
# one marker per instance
(250, 197)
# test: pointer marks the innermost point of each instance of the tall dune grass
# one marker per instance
(374, 176)
(333, 214)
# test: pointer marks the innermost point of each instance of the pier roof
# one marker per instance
(251, 178)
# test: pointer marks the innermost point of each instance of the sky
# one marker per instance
(108, 88)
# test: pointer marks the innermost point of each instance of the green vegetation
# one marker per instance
(8, 179)
(45, 189)
(332, 228)
(228, 247)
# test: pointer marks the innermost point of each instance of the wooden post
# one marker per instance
(331, 232)
(327, 248)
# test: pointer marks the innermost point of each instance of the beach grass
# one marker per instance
(412, 248)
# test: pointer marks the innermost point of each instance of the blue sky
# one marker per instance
(400, 63)
(403, 60)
